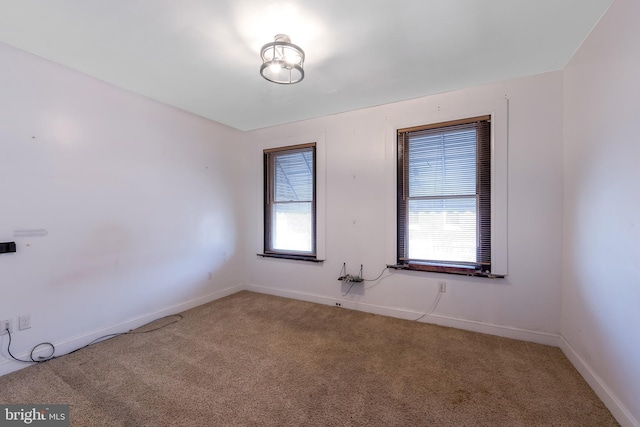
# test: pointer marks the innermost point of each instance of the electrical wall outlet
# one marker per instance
(6, 324)
(24, 322)
(443, 286)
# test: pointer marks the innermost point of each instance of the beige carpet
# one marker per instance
(252, 359)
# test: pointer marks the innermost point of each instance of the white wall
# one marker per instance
(134, 196)
(359, 212)
(601, 294)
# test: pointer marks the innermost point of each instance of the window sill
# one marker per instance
(291, 257)
(446, 270)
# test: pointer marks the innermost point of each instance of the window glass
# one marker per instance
(290, 200)
(444, 196)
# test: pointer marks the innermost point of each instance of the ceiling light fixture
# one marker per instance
(282, 61)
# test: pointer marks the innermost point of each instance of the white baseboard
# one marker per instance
(617, 408)
(76, 342)
(468, 325)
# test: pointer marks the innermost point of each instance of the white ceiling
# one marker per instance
(203, 55)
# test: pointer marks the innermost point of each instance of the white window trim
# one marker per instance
(319, 139)
(499, 111)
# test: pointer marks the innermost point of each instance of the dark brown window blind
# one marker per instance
(444, 196)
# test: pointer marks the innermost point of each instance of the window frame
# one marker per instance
(485, 177)
(269, 155)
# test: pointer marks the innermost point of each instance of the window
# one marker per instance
(290, 202)
(444, 197)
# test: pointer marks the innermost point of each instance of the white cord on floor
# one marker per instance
(433, 307)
